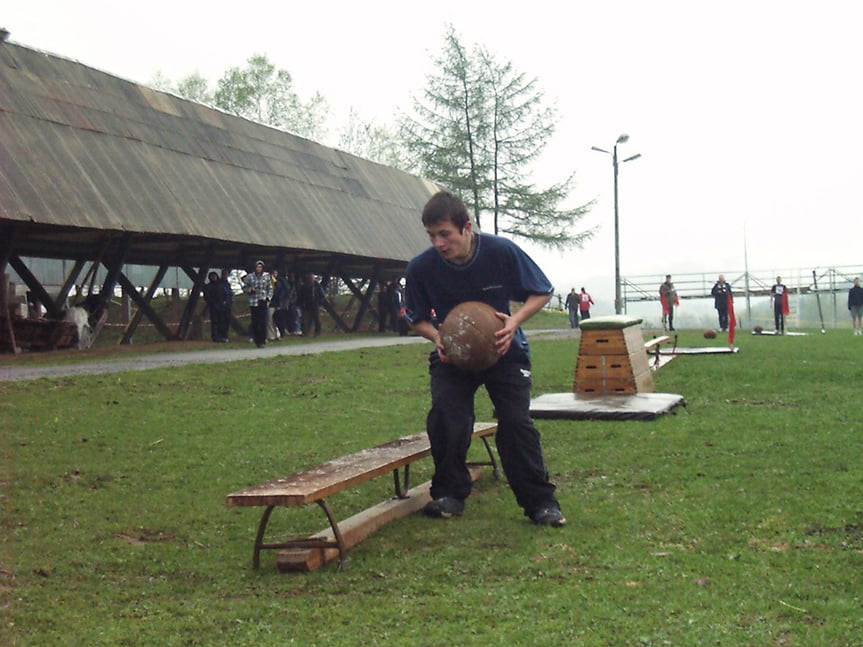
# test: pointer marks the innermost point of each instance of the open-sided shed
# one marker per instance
(102, 171)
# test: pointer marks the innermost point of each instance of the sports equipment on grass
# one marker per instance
(467, 335)
(710, 334)
(758, 330)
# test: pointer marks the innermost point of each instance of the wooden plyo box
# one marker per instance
(612, 359)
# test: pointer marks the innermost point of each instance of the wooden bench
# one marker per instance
(314, 485)
(651, 346)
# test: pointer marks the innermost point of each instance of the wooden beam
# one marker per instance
(7, 315)
(35, 286)
(69, 283)
(198, 279)
(144, 308)
(358, 527)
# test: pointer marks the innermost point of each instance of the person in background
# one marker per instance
(294, 313)
(572, 305)
(721, 292)
(584, 303)
(229, 295)
(218, 302)
(396, 303)
(404, 328)
(311, 299)
(779, 295)
(281, 303)
(383, 306)
(272, 331)
(259, 286)
(855, 305)
(464, 265)
(669, 299)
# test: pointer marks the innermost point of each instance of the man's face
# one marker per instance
(452, 244)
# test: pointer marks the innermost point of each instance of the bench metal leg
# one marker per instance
(402, 487)
(259, 539)
(491, 459)
(340, 542)
(311, 542)
(655, 353)
(494, 468)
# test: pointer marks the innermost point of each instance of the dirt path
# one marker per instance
(117, 362)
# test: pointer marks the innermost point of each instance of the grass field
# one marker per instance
(735, 521)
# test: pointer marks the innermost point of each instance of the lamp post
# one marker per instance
(618, 301)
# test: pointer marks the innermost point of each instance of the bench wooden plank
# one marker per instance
(333, 476)
(656, 341)
(356, 528)
(336, 475)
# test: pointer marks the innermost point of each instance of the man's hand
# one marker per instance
(441, 353)
(531, 306)
(503, 337)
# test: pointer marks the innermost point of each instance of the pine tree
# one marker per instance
(479, 127)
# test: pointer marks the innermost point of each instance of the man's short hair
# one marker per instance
(443, 205)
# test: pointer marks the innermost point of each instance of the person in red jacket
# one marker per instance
(584, 303)
(669, 299)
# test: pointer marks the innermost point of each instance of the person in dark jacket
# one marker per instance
(218, 299)
(855, 305)
(464, 265)
(721, 296)
(283, 296)
(572, 304)
(311, 299)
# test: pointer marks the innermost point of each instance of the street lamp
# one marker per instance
(618, 301)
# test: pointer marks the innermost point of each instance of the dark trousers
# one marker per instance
(450, 422)
(311, 320)
(280, 320)
(723, 319)
(219, 322)
(259, 323)
(779, 317)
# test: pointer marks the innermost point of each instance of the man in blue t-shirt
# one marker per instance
(464, 265)
(779, 296)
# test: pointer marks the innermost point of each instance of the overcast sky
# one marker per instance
(745, 112)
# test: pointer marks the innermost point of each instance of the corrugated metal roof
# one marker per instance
(82, 152)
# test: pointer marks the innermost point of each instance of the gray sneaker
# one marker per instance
(444, 508)
(549, 517)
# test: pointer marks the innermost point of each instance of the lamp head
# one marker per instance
(623, 139)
